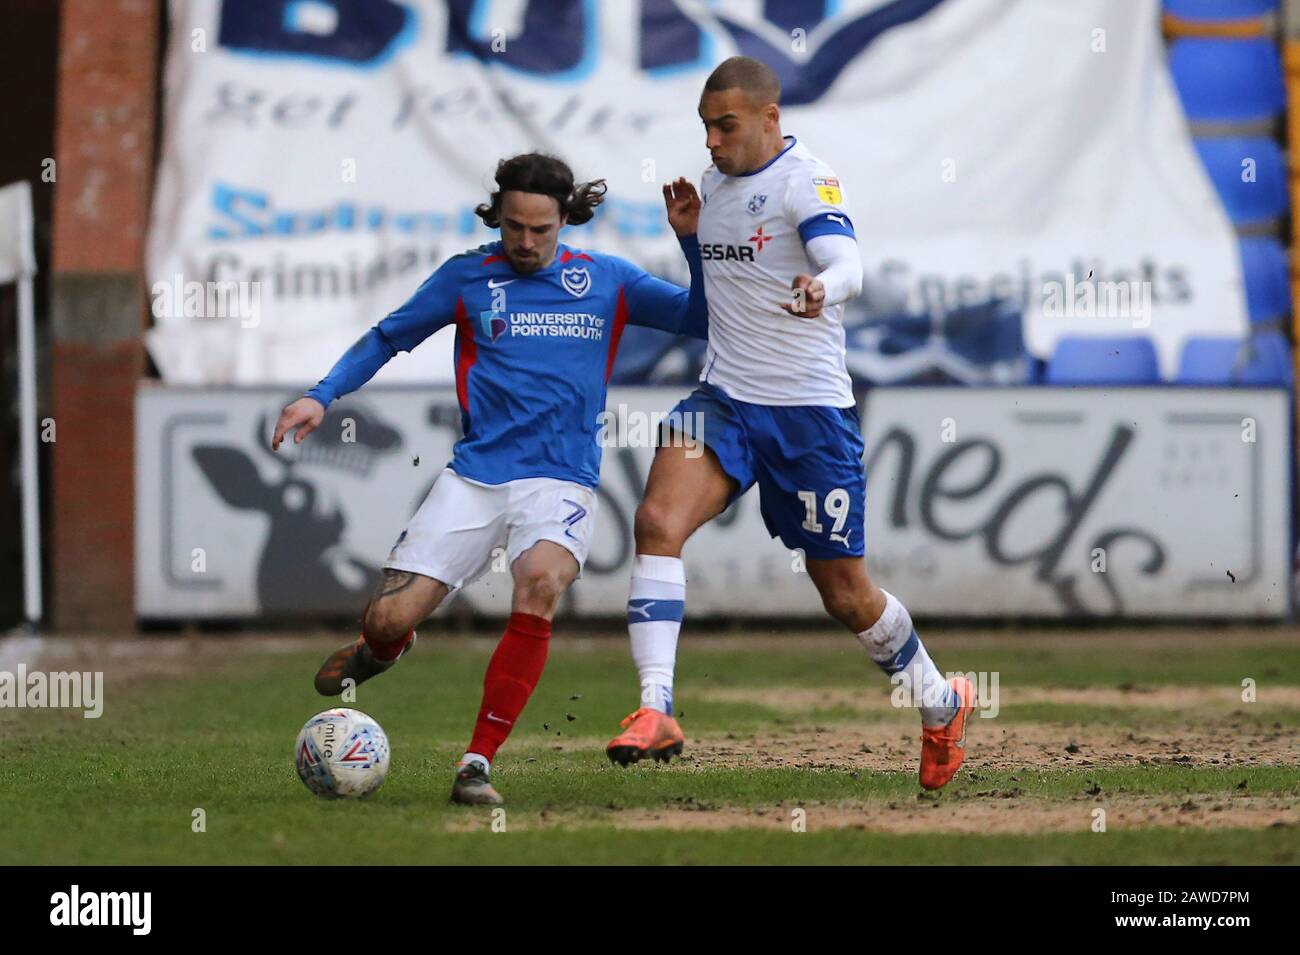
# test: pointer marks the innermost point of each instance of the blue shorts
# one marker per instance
(805, 459)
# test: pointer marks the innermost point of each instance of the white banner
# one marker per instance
(1080, 502)
(1153, 502)
(326, 155)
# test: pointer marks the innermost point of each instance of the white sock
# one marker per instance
(892, 642)
(655, 602)
(476, 758)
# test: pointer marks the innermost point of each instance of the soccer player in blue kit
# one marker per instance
(537, 330)
(780, 258)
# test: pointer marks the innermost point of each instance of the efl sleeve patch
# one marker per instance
(828, 190)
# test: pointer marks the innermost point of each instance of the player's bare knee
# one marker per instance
(538, 589)
(655, 528)
(848, 600)
(843, 607)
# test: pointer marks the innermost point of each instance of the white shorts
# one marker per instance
(454, 534)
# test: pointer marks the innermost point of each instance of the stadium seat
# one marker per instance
(1103, 361)
(1220, 10)
(1267, 276)
(985, 334)
(1228, 81)
(1270, 361)
(1263, 359)
(1249, 203)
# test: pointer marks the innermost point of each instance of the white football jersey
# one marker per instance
(752, 232)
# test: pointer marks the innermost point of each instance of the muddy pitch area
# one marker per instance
(972, 814)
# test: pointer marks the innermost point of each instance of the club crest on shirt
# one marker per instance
(576, 281)
(756, 204)
(828, 190)
(494, 324)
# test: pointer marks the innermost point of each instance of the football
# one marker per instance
(342, 754)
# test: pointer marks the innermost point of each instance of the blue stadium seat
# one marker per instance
(985, 334)
(1270, 361)
(1263, 359)
(1228, 80)
(1220, 10)
(1248, 203)
(1103, 361)
(1209, 361)
(1267, 275)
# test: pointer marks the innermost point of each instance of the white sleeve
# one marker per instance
(815, 205)
(840, 265)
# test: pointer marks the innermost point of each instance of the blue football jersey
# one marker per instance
(533, 352)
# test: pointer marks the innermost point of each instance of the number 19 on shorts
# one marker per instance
(836, 504)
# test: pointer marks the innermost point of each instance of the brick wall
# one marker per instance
(108, 74)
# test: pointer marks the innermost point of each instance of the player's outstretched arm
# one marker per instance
(654, 303)
(429, 309)
(358, 365)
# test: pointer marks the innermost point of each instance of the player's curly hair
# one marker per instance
(547, 176)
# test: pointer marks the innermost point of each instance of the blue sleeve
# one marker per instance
(654, 303)
(826, 223)
(433, 306)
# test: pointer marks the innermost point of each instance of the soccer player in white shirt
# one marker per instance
(780, 259)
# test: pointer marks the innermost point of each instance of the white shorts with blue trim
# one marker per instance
(463, 525)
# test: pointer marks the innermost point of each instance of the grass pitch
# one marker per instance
(794, 755)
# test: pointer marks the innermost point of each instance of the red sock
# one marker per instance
(384, 652)
(512, 673)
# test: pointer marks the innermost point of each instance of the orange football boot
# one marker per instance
(648, 733)
(943, 748)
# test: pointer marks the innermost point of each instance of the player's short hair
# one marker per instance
(547, 176)
(755, 78)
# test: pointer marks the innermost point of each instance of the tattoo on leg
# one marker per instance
(395, 581)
